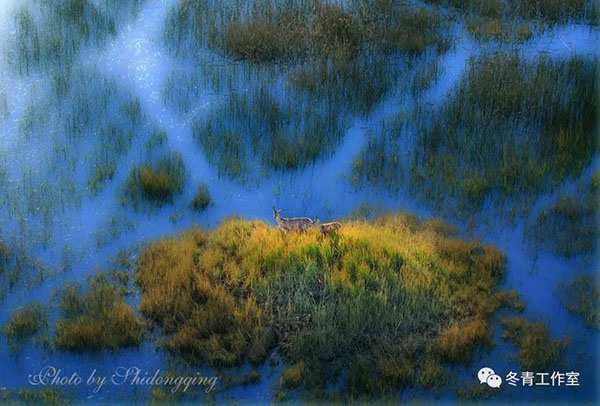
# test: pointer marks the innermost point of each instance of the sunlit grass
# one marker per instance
(97, 319)
(393, 289)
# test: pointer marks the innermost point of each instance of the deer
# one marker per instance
(326, 228)
(291, 223)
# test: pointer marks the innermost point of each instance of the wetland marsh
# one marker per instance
(143, 144)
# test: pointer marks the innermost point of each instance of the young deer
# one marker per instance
(326, 228)
(291, 223)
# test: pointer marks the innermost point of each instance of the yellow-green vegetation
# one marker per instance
(26, 322)
(381, 300)
(97, 319)
(433, 375)
(566, 228)
(537, 349)
(45, 396)
(202, 198)
(156, 182)
(581, 295)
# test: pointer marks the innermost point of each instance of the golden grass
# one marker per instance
(96, 320)
(374, 300)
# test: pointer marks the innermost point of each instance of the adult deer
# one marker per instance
(291, 223)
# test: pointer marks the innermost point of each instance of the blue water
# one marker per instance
(136, 61)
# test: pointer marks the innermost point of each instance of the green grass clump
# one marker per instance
(96, 320)
(374, 300)
(537, 349)
(156, 182)
(202, 198)
(25, 322)
(581, 295)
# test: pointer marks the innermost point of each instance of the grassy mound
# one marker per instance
(382, 301)
(97, 319)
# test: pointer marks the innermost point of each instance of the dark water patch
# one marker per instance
(257, 128)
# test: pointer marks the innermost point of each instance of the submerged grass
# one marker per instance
(581, 295)
(375, 299)
(49, 35)
(516, 20)
(512, 128)
(566, 228)
(537, 349)
(44, 396)
(96, 320)
(337, 60)
(258, 127)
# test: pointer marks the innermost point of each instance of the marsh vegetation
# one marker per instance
(101, 108)
(96, 319)
(241, 291)
(512, 127)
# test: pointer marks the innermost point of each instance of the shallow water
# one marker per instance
(137, 61)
